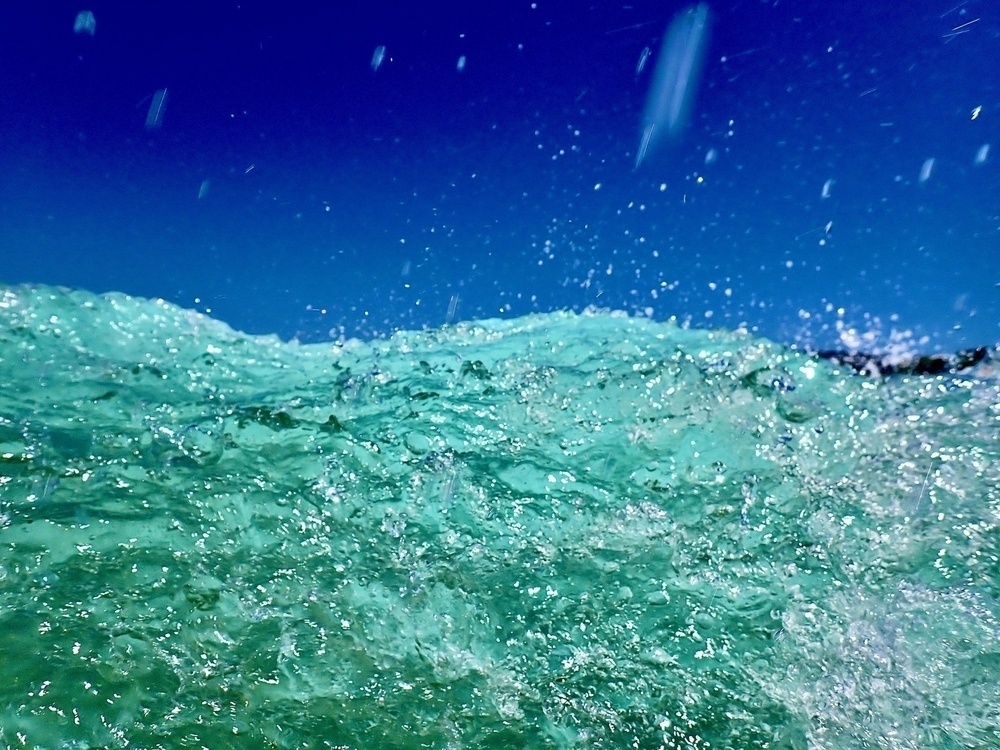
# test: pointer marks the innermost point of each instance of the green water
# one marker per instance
(554, 532)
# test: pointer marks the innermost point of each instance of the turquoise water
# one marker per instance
(559, 531)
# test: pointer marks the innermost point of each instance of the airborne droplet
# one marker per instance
(675, 79)
(85, 23)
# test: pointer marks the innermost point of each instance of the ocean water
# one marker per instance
(555, 531)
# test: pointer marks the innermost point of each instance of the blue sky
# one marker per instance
(838, 171)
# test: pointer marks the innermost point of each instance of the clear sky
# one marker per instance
(835, 170)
